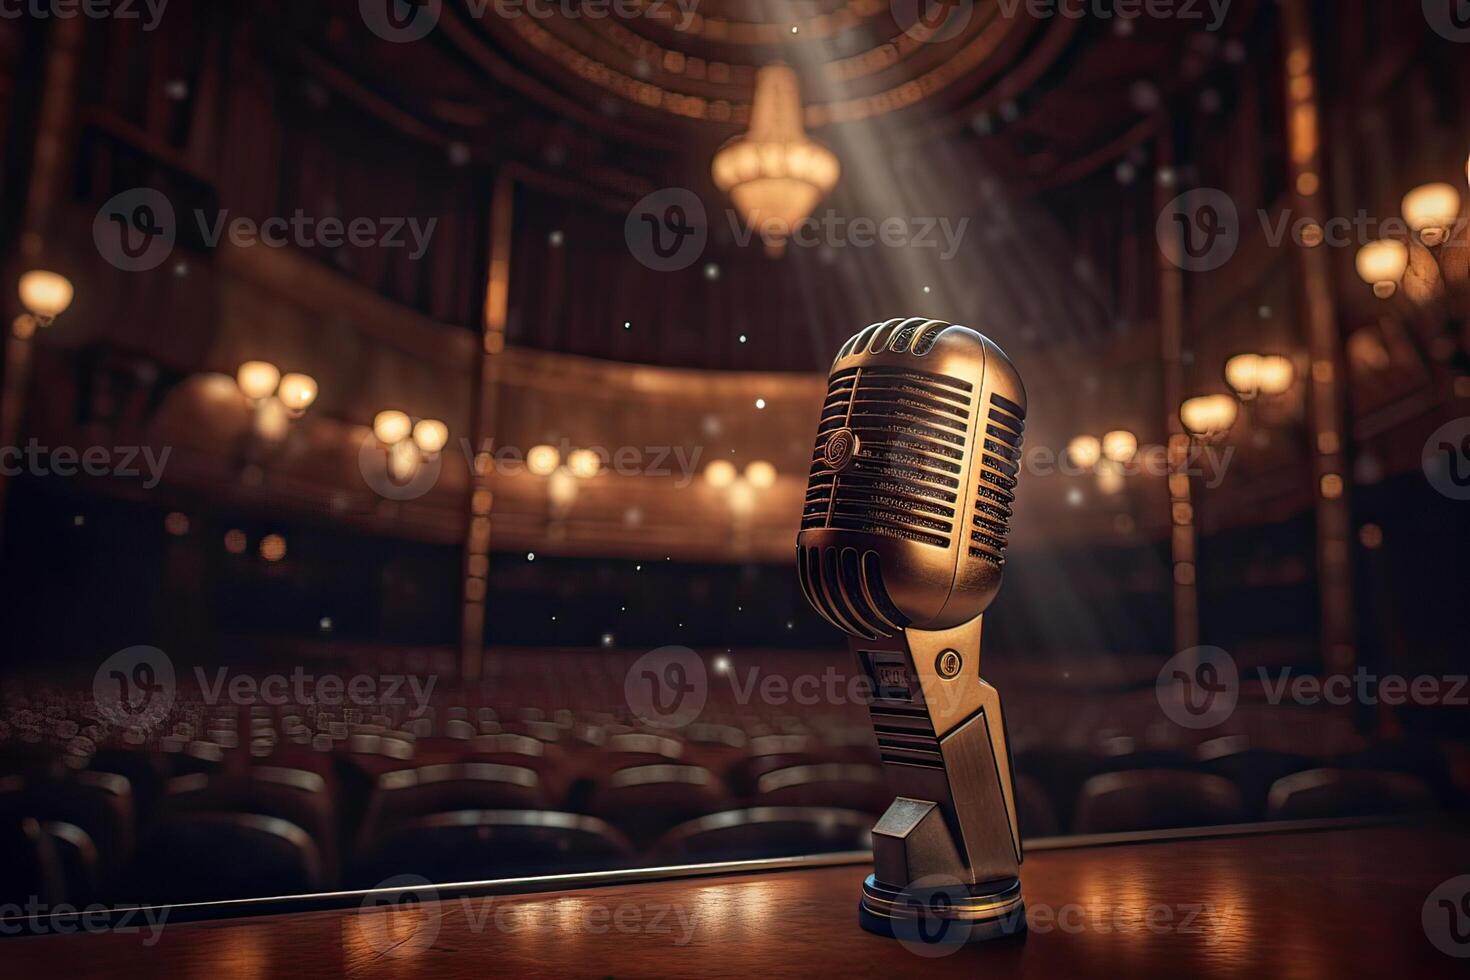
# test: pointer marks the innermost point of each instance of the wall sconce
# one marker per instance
(1431, 211)
(1209, 417)
(45, 296)
(742, 490)
(563, 480)
(1084, 451)
(1382, 265)
(1251, 375)
(409, 445)
(277, 399)
(1120, 446)
(543, 460)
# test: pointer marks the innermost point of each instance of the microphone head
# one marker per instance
(908, 507)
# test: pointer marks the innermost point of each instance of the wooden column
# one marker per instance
(1182, 537)
(476, 568)
(49, 167)
(1325, 398)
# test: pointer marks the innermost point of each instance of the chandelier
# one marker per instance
(775, 174)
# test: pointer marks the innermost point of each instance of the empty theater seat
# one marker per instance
(198, 857)
(297, 796)
(1034, 810)
(645, 801)
(844, 785)
(401, 796)
(468, 845)
(1321, 793)
(767, 831)
(1154, 799)
(1252, 770)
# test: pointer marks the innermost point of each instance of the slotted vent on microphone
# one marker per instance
(910, 428)
(848, 590)
(1000, 457)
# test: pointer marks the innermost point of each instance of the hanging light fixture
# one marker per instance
(1250, 375)
(1209, 416)
(1120, 446)
(45, 295)
(1085, 451)
(1382, 265)
(775, 174)
(1431, 210)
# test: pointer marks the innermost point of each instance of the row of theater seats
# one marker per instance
(462, 795)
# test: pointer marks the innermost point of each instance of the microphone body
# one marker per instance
(902, 543)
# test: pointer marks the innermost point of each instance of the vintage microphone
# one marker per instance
(902, 542)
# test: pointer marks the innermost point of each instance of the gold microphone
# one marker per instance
(902, 542)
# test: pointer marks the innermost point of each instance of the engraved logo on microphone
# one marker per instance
(1200, 230)
(1199, 687)
(667, 230)
(667, 687)
(840, 450)
(1446, 459)
(1446, 917)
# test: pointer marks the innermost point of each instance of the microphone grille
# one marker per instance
(1000, 457)
(911, 428)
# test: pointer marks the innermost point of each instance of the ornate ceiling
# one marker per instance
(1050, 99)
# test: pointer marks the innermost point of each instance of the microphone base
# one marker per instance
(939, 911)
